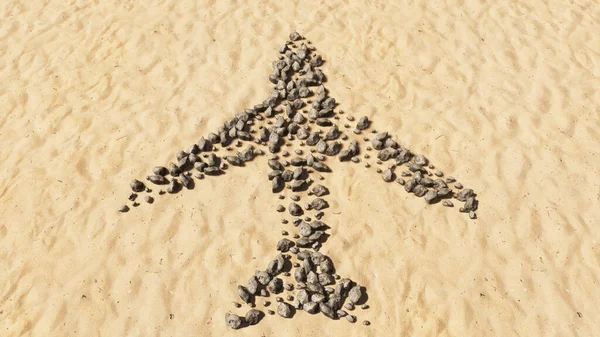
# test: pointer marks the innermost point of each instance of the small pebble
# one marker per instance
(439, 173)
(270, 312)
(149, 199)
(280, 208)
(284, 221)
(366, 323)
(472, 215)
(379, 170)
(284, 233)
(458, 185)
(266, 303)
(447, 203)
(279, 299)
(237, 305)
(295, 197)
(124, 209)
(355, 159)
(365, 306)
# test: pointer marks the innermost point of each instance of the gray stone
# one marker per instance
(233, 321)
(363, 123)
(275, 286)
(388, 176)
(253, 316)
(160, 170)
(311, 307)
(465, 194)
(244, 294)
(284, 310)
(355, 294)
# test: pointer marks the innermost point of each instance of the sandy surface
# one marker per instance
(503, 97)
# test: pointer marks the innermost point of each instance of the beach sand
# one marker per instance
(504, 97)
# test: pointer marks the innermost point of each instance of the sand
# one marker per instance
(504, 97)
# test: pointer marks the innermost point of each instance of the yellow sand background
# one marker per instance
(503, 95)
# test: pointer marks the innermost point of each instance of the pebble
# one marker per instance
(458, 185)
(137, 186)
(270, 312)
(124, 209)
(237, 305)
(160, 170)
(233, 321)
(280, 208)
(447, 203)
(132, 196)
(351, 318)
(355, 294)
(472, 215)
(367, 323)
(349, 306)
(388, 176)
(253, 317)
(284, 310)
(149, 199)
(365, 306)
(363, 123)
(439, 173)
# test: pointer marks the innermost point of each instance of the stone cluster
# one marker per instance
(300, 113)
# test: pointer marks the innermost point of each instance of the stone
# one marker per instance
(160, 170)
(284, 310)
(327, 311)
(420, 160)
(244, 294)
(275, 286)
(388, 176)
(447, 203)
(294, 36)
(332, 133)
(319, 204)
(262, 277)
(253, 316)
(295, 209)
(233, 321)
(173, 186)
(419, 190)
(355, 294)
(349, 306)
(186, 181)
(321, 167)
(137, 186)
(465, 194)
(363, 123)
(284, 245)
(430, 196)
(124, 209)
(252, 285)
(310, 307)
(333, 148)
(351, 318)
(320, 190)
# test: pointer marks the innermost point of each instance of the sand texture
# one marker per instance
(504, 96)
